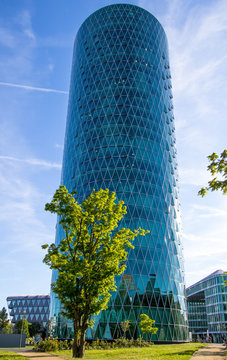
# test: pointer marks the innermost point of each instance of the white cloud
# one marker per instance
(202, 250)
(20, 212)
(198, 58)
(59, 146)
(25, 226)
(193, 176)
(22, 216)
(6, 38)
(51, 67)
(25, 157)
(209, 212)
(24, 18)
(22, 193)
(35, 162)
(204, 237)
(16, 35)
(204, 253)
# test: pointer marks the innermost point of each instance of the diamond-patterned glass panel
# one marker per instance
(120, 135)
(29, 307)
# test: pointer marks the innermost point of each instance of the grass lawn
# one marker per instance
(7, 355)
(156, 352)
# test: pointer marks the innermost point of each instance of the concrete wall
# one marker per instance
(12, 340)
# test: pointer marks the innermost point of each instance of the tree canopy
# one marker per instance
(147, 324)
(89, 255)
(34, 328)
(3, 319)
(125, 326)
(22, 326)
(217, 167)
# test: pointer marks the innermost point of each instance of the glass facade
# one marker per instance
(120, 135)
(32, 308)
(207, 308)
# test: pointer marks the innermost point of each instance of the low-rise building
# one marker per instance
(207, 308)
(34, 308)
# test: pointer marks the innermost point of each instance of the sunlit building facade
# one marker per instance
(207, 308)
(120, 135)
(33, 308)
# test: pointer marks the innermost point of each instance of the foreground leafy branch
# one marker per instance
(87, 258)
(217, 166)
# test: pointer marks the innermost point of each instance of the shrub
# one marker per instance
(64, 345)
(47, 345)
(51, 345)
(29, 341)
(118, 343)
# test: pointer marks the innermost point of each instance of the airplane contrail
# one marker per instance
(26, 87)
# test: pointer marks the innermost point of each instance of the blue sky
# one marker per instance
(36, 41)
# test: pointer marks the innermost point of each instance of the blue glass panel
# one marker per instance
(120, 135)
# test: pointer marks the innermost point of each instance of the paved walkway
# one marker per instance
(212, 352)
(33, 355)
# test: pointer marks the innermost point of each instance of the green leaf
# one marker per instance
(90, 253)
(45, 246)
(217, 166)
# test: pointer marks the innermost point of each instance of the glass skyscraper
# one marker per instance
(120, 135)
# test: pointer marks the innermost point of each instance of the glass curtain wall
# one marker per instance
(207, 308)
(120, 135)
(32, 308)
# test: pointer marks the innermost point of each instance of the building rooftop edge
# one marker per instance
(119, 4)
(26, 296)
(215, 273)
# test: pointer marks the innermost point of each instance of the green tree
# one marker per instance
(125, 326)
(22, 326)
(146, 325)
(10, 328)
(217, 166)
(3, 319)
(89, 255)
(34, 328)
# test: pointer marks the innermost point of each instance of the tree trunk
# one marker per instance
(76, 339)
(82, 343)
(78, 347)
(75, 349)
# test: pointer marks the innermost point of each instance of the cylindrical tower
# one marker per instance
(120, 135)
